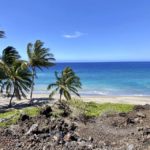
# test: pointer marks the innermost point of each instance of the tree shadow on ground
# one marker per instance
(34, 102)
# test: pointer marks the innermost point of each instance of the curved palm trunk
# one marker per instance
(32, 85)
(10, 102)
(1, 90)
(17, 94)
(60, 97)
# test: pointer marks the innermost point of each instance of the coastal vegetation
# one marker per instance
(93, 109)
(66, 83)
(38, 57)
(15, 76)
(12, 116)
(78, 107)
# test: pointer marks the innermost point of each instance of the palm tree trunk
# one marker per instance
(32, 85)
(10, 102)
(60, 97)
(17, 94)
(60, 92)
(1, 91)
(2, 87)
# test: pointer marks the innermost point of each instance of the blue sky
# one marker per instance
(79, 30)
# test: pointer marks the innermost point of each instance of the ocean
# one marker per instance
(103, 78)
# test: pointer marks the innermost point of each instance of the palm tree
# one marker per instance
(16, 76)
(19, 81)
(2, 34)
(39, 57)
(68, 82)
(9, 55)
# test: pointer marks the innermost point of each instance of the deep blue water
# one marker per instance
(105, 78)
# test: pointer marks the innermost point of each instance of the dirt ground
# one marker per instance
(111, 131)
(121, 131)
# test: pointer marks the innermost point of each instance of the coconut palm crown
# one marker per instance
(38, 57)
(68, 82)
(15, 75)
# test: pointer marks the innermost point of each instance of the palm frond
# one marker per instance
(56, 75)
(52, 85)
(2, 34)
(53, 92)
(39, 56)
(29, 50)
(10, 55)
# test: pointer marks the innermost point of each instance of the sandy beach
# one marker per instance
(43, 98)
(137, 100)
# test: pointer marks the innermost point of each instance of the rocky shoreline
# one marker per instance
(111, 131)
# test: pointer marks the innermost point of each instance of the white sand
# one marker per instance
(99, 99)
(141, 100)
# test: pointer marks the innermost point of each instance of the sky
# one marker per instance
(79, 30)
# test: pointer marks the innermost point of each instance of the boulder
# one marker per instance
(147, 107)
(67, 137)
(140, 114)
(122, 114)
(142, 107)
(130, 147)
(66, 111)
(140, 128)
(139, 107)
(85, 146)
(24, 117)
(136, 120)
(90, 139)
(73, 126)
(56, 138)
(46, 111)
(131, 121)
(32, 129)
(146, 131)
(44, 129)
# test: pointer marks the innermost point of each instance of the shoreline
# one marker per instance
(136, 100)
(43, 98)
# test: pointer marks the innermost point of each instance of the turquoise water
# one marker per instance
(106, 78)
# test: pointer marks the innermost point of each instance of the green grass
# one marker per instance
(92, 109)
(13, 115)
(32, 111)
(8, 113)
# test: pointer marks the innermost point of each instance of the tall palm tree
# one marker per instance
(2, 34)
(16, 76)
(9, 55)
(68, 82)
(18, 82)
(38, 57)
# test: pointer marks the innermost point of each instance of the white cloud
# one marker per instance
(75, 35)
